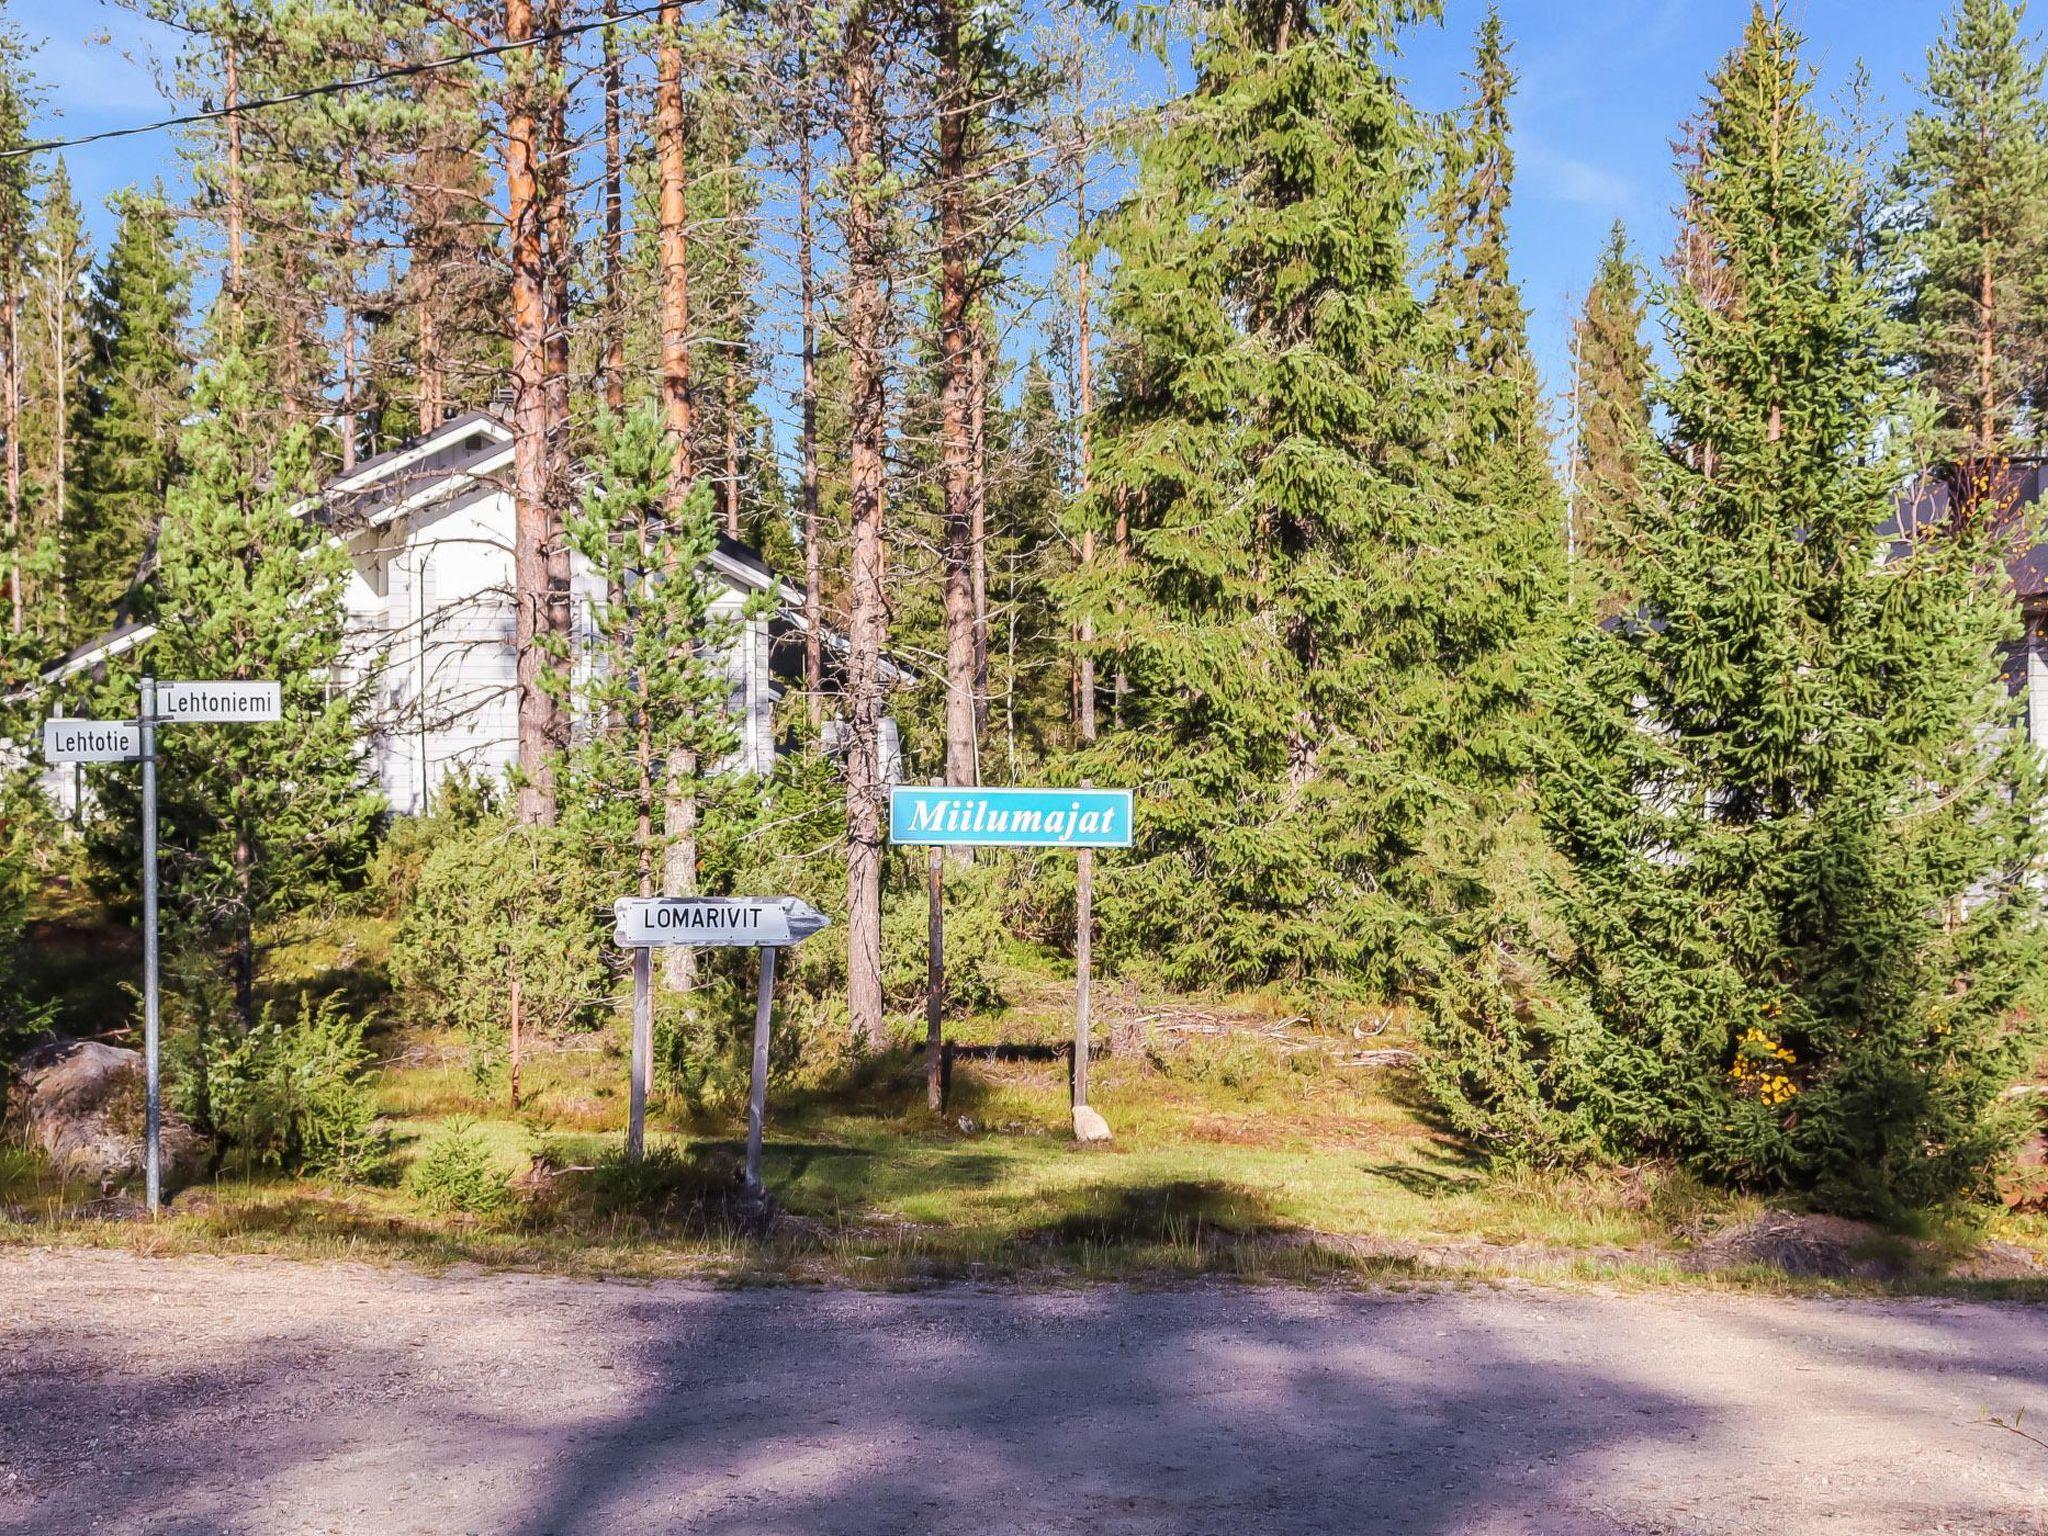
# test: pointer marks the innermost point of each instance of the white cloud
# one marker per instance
(1565, 179)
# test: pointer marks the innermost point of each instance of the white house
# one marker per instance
(428, 528)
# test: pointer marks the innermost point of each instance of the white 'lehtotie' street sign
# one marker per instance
(91, 741)
(219, 701)
(731, 922)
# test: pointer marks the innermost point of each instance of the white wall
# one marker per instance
(432, 622)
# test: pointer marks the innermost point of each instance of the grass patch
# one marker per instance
(1253, 1141)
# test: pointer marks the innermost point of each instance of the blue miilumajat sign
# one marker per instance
(1011, 818)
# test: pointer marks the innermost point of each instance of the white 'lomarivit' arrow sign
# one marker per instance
(726, 922)
(91, 741)
(219, 701)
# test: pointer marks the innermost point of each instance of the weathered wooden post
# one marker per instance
(757, 1084)
(935, 974)
(766, 923)
(1080, 820)
(643, 1053)
(1084, 961)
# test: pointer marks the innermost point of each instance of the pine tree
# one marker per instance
(1292, 619)
(17, 97)
(1799, 823)
(137, 381)
(256, 821)
(55, 364)
(1611, 414)
(1973, 241)
(659, 677)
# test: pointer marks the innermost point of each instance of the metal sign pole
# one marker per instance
(151, 1016)
(1084, 957)
(643, 1051)
(757, 1091)
(934, 977)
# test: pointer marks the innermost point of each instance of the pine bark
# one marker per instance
(538, 709)
(866, 325)
(679, 811)
(814, 657)
(955, 409)
(614, 223)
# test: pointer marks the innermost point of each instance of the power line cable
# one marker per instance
(332, 87)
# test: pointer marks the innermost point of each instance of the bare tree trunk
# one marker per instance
(735, 347)
(814, 656)
(61, 288)
(672, 152)
(558, 221)
(10, 389)
(614, 224)
(431, 402)
(234, 116)
(866, 325)
(977, 505)
(537, 705)
(245, 935)
(1084, 403)
(1987, 353)
(345, 230)
(679, 808)
(955, 410)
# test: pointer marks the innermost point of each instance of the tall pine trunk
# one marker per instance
(679, 813)
(10, 386)
(866, 326)
(955, 410)
(537, 705)
(614, 368)
(1084, 405)
(814, 658)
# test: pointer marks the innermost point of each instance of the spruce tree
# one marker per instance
(1611, 416)
(1492, 448)
(1487, 992)
(1295, 624)
(1799, 822)
(137, 384)
(61, 255)
(256, 821)
(1973, 238)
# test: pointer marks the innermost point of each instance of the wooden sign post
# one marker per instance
(766, 923)
(1082, 819)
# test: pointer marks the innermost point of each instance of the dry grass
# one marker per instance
(1253, 1140)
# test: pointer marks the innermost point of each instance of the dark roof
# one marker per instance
(340, 504)
(1926, 504)
(112, 637)
(450, 427)
(747, 555)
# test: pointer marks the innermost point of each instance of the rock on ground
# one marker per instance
(256, 1395)
(1089, 1126)
(81, 1101)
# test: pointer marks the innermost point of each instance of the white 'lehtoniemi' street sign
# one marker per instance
(219, 701)
(730, 922)
(91, 741)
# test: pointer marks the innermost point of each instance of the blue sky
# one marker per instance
(1604, 85)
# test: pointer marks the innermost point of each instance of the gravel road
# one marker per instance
(256, 1396)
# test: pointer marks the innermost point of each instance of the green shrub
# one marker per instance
(458, 1173)
(977, 933)
(487, 900)
(294, 1092)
